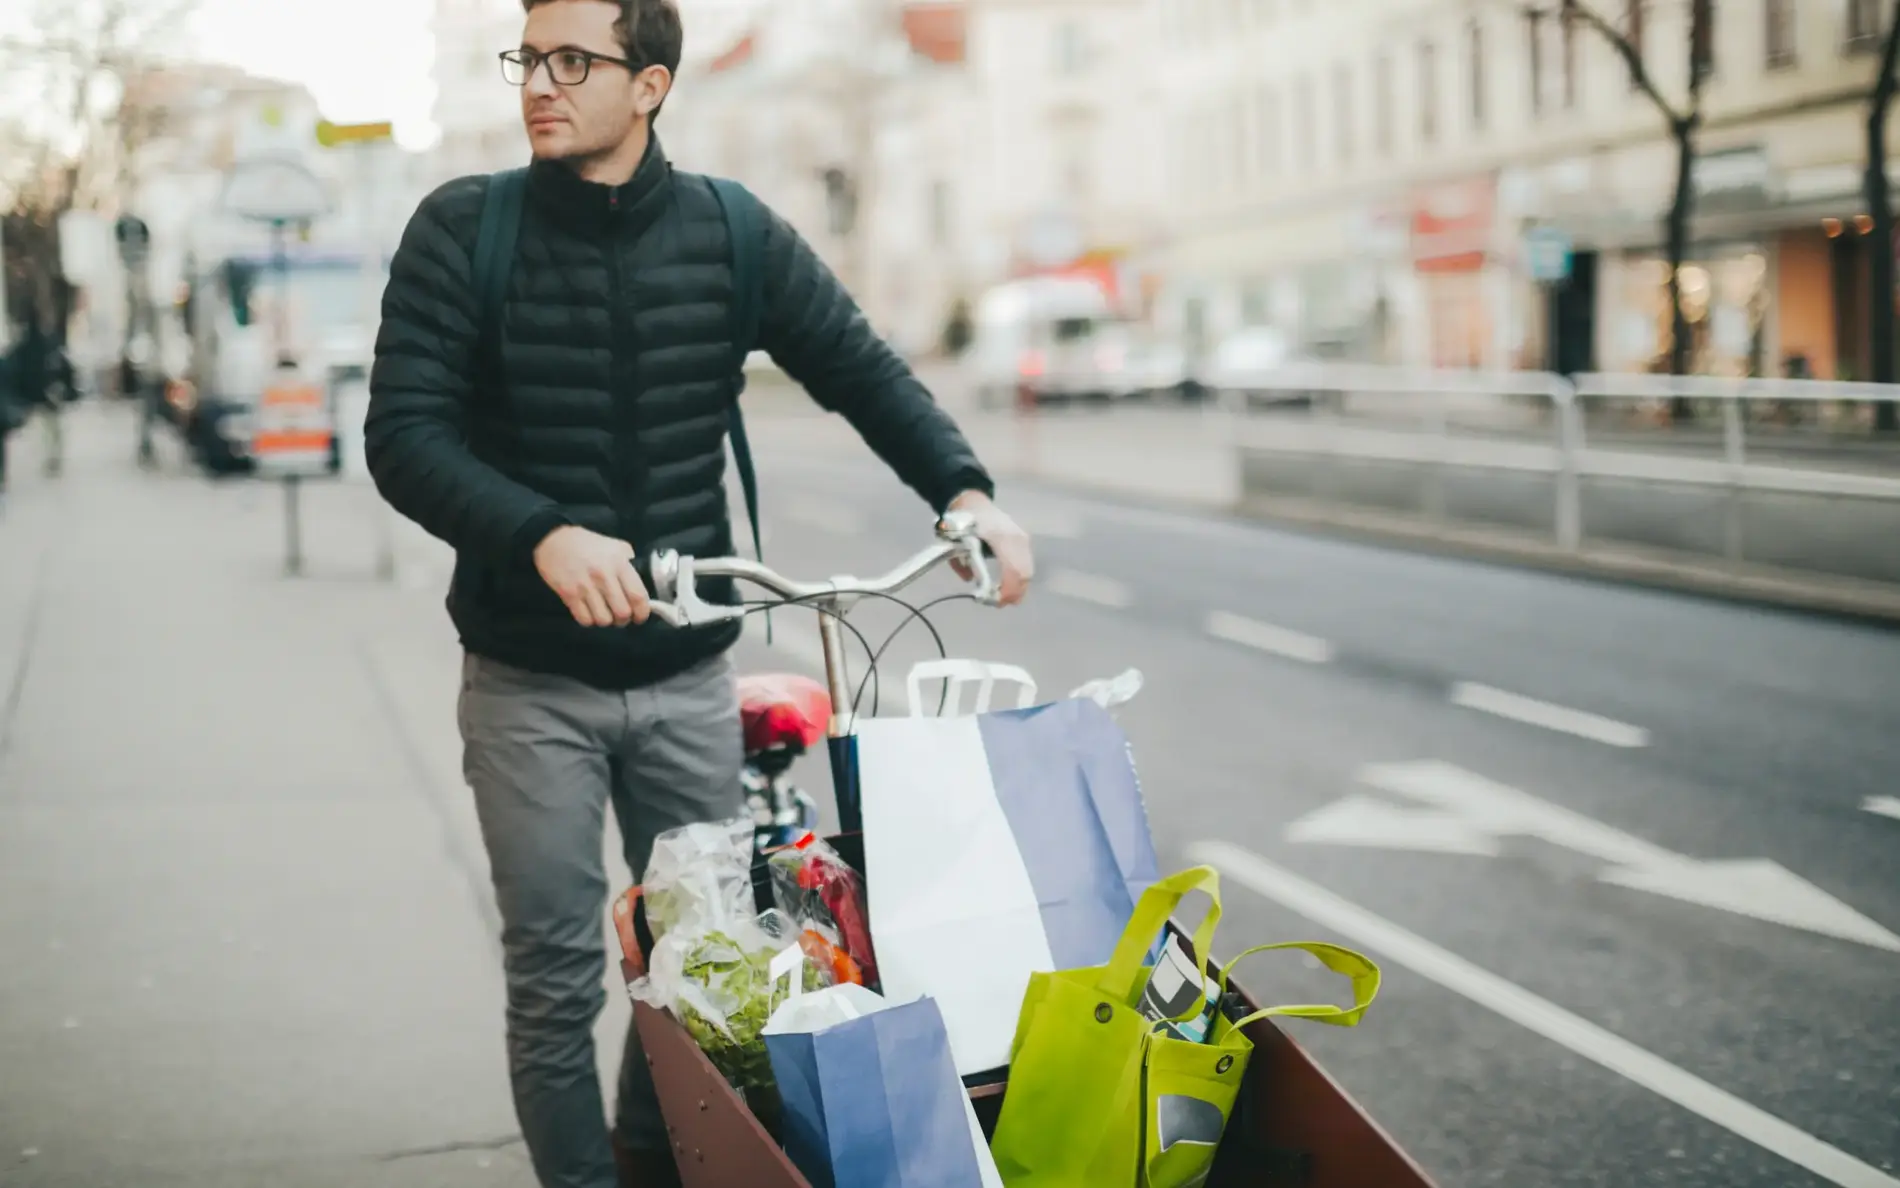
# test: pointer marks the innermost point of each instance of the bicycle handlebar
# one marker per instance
(671, 578)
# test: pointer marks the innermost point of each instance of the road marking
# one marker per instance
(1089, 587)
(826, 515)
(1539, 1015)
(1886, 806)
(1266, 637)
(1528, 710)
(1465, 813)
(1364, 821)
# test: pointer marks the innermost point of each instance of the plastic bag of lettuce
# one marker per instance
(711, 960)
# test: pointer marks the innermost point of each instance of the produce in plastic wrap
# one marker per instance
(700, 874)
(711, 958)
(823, 951)
(1109, 692)
(819, 890)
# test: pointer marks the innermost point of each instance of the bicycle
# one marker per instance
(785, 713)
(1312, 1133)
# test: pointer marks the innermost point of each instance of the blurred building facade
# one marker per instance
(1363, 174)
(853, 119)
(477, 113)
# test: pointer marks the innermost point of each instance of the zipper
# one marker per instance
(628, 483)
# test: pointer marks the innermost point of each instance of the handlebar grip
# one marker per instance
(643, 565)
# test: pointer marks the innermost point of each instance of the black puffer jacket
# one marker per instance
(616, 371)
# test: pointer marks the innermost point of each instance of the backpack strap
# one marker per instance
(495, 246)
(745, 230)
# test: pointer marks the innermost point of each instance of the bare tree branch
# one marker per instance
(1626, 49)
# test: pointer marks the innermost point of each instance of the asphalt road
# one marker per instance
(1284, 672)
(246, 937)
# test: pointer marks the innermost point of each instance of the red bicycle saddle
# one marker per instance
(782, 709)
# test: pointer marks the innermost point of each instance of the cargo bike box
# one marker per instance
(1290, 1125)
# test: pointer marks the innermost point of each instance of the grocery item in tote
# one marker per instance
(816, 887)
(870, 1097)
(997, 846)
(710, 966)
(1099, 1097)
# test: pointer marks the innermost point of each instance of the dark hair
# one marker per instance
(648, 31)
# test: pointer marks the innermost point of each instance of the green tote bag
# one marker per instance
(1098, 1099)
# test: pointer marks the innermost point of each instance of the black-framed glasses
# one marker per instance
(567, 67)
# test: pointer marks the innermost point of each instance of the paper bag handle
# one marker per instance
(1122, 980)
(788, 963)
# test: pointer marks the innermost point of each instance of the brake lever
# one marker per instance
(976, 556)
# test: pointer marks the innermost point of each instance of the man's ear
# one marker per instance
(650, 88)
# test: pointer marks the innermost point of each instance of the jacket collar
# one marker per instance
(631, 207)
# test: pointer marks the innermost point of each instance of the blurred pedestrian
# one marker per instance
(38, 379)
(592, 425)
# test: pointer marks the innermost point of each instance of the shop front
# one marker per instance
(1460, 278)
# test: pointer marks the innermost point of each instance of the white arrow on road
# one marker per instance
(1466, 813)
(1886, 806)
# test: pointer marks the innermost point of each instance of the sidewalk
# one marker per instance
(243, 901)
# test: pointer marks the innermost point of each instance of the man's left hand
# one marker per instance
(1005, 539)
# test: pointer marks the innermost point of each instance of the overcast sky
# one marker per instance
(367, 60)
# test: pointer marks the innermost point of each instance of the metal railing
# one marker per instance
(1539, 423)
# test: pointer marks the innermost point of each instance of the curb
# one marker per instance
(1752, 584)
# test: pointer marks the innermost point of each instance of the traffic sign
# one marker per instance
(330, 135)
(1547, 254)
(293, 430)
(274, 190)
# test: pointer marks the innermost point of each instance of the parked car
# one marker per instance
(1157, 368)
(1243, 361)
(1027, 330)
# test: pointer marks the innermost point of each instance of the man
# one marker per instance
(594, 427)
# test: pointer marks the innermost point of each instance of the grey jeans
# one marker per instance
(545, 756)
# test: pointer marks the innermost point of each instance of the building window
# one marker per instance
(1634, 27)
(1071, 48)
(1382, 104)
(1863, 26)
(1304, 118)
(1474, 40)
(1780, 33)
(1534, 62)
(1077, 177)
(1267, 132)
(1702, 36)
(940, 212)
(1239, 137)
(1343, 112)
(1567, 31)
(1427, 92)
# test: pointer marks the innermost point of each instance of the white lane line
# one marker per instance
(1886, 806)
(826, 515)
(1528, 710)
(1266, 637)
(1089, 587)
(1536, 1014)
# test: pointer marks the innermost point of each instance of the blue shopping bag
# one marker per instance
(873, 1100)
(998, 846)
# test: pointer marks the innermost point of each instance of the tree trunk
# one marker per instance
(1678, 249)
(1880, 299)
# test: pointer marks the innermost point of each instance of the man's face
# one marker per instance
(590, 118)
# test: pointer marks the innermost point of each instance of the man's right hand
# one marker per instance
(594, 576)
